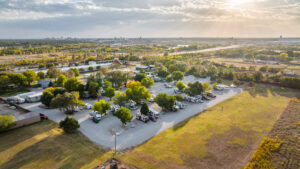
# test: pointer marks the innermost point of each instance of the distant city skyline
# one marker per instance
(32, 19)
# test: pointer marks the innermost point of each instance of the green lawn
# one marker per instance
(43, 145)
(222, 136)
(14, 92)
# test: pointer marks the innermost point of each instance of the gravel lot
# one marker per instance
(136, 132)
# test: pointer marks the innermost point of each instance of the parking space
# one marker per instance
(135, 132)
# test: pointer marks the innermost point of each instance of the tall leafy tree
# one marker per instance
(120, 99)
(72, 84)
(165, 101)
(136, 92)
(61, 80)
(101, 107)
(110, 92)
(124, 115)
(30, 75)
(67, 102)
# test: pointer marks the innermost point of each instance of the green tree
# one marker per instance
(72, 84)
(6, 122)
(46, 98)
(258, 76)
(18, 79)
(145, 109)
(120, 99)
(165, 101)
(136, 92)
(206, 86)
(180, 85)
(117, 78)
(4, 82)
(110, 92)
(91, 68)
(31, 76)
(163, 73)
(169, 79)
(148, 82)
(76, 71)
(194, 89)
(93, 89)
(53, 73)
(41, 75)
(140, 76)
(69, 124)
(67, 102)
(101, 107)
(124, 115)
(61, 80)
(177, 75)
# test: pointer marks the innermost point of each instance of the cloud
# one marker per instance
(95, 18)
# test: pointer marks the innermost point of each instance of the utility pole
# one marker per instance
(115, 143)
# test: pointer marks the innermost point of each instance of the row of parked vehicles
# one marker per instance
(200, 98)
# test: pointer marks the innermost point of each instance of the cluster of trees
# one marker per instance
(62, 99)
(18, 79)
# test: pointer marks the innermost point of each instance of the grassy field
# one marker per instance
(14, 92)
(241, 63)
(223, 136)
(43, 145)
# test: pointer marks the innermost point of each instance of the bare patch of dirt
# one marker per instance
(223, 152)
(287, 130)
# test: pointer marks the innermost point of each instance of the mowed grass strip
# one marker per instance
(254, 111)
(43, 145)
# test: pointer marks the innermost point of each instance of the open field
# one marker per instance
(224, 136)
(241, 63)
(43, 145)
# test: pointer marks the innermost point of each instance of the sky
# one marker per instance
(148, 18)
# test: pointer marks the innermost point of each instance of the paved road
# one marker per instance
(101, 133)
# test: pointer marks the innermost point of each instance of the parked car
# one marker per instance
(168, 85)
(142, 117)
(43, 117)
(180, 105)
(205, 97)
(95, 116)
(209, 94)
(153, 114)
(157, 79)
(16, 100)
(88, 106)
(115, 108)
(174, 108)
(177, 91)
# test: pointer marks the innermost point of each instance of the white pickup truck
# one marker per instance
(95, 116)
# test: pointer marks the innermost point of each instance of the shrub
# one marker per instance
(263, 155)
(69, 125)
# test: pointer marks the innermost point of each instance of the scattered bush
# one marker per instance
(69, 125)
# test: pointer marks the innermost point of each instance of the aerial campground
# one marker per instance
(170, 84)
